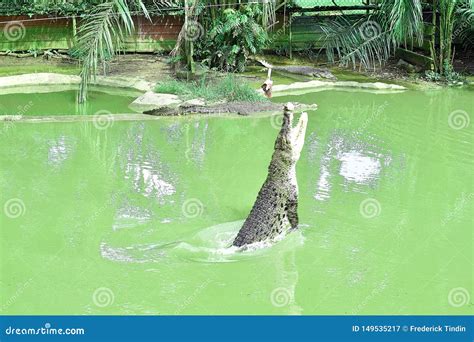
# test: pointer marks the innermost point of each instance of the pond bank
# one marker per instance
(152, 68)
(161, 104)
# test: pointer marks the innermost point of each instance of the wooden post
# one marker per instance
(74, 29)
(188, 44)
(434, 10)
(291, 35)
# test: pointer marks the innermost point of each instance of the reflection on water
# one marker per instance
(115, 212)
(132, 254)
(59, 150)
(196, 149)
(356, 162)
(359, 168)
(129, 216)
(143, 167)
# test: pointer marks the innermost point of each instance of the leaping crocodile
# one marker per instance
(275, 210)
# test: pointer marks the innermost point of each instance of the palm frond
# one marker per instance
(362, 43)
(464, 25)
(404, 19)
(371, 41)
(100, 36)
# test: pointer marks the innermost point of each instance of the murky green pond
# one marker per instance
(62, 101)
(135, 218)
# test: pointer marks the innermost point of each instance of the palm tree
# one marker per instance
(100, 36)
(452, 14)
(373, 39)
(197, 9)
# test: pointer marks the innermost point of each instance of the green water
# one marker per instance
(102, 100)
(136, 218)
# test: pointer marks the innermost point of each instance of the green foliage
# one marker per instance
(232, 38)
(66, 7)
(432, 76)
(448, 75)
(403, 18)
(229, 88)
(43, 7)
(373, 39)
(100, 35)
(362, 42)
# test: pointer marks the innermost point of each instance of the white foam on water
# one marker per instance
(210, 245)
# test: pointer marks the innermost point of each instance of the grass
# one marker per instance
(229, 88)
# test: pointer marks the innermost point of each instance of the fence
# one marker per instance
(293, 31)
(22, 33)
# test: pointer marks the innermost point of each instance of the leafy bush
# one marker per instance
(232, 38)
(448, 76)
(53, 7)
(432, 76)
(228, 88)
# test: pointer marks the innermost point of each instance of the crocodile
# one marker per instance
(305, 70)
(275, 210)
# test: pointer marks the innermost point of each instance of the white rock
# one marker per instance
(316, 84)
(51, 79)
(195, 102)
(40, 78)
(152, 100)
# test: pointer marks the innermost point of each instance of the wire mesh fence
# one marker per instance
(322, 3)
